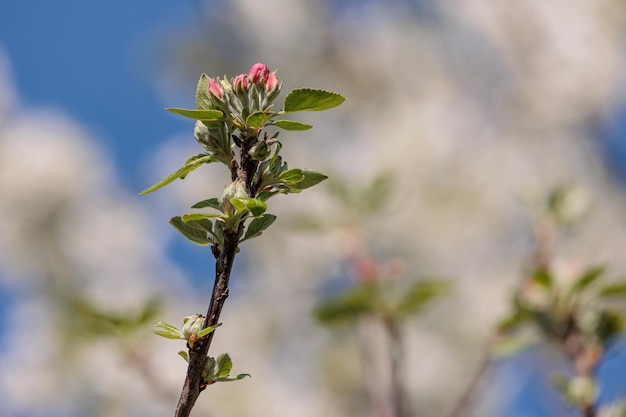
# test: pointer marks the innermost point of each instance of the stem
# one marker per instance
(197, 356)
(462, 405)
(225, 258)
(398, 401)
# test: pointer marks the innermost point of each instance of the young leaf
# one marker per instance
(203, 101)
(184, 355)
(204, 115)
(189, 217)
(348, 306)
(191, 164)
(420, 294)
(204, 224)
(310, 179)
(614, 290)
(224, 365)
(167, 330)
(208, 330)
(311, 99)
(258, 119)
(292, 125)
(291, 176)
(258, 225)
(211, 202)
(588, 278)
(255, 206)
(190, 233)
(236, 378)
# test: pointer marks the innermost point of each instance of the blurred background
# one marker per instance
(471, 111)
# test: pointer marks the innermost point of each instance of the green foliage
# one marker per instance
(192, 234)
(189, 165)
(203, 115)
(387, 300)
(310, 99)
(291, 125)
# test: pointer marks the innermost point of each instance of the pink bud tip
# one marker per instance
(241, 83)
(271, 83)
(214, 89)
(259, 72)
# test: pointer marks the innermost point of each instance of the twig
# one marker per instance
(225, 258)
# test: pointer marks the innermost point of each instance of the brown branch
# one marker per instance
(225, 258)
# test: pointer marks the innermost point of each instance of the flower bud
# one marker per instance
(235, 189)
(259, 73)
(201, 132)
(271, 83)
(215, 90)
(191, 326)
(241, 84)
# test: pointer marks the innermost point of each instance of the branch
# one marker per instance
(194, 384)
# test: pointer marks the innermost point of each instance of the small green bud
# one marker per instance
(236, 189)
(260, 151)
(582, 391)
(192, 325)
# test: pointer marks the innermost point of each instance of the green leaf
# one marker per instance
(167, 330)
(208, 330)
(542, 278)
(190, 233)
(204, 115)
(189, 217)
(610, 323)
(614, 290)
(291, 176)
(204, 224)
(311, 99)
(184, 355)
(237, 378)
(203, 101)
(348, 306)
(512, 345)
(224, 365)
(211, 202)
(258, 225)
(374, 197)
(191, 164)
(420, 294)
(254, 205)
(310, 179)
(292, 125)
(513, 321)
(588, 278)
(258, 119)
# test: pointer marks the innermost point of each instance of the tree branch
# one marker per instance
(194, 384)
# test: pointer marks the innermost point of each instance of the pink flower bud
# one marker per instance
(366, 269)
(241, 83)
(215, 90)
(271, 83)
(258, 73)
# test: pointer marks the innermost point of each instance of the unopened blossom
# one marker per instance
(259, 73)
(215, 90)
(241, 83)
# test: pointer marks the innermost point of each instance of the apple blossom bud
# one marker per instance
(191, 326)
(259, 73)
(271, 83)
(241, 84)
(215, 90)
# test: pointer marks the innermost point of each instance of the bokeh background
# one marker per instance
(472, 108)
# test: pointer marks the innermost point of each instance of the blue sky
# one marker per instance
(96, 61)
